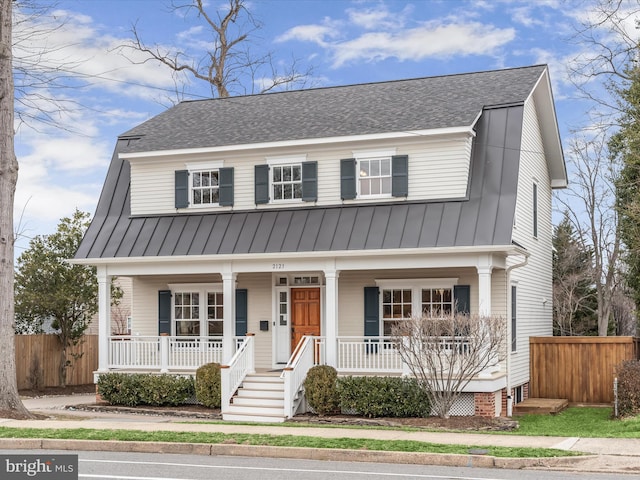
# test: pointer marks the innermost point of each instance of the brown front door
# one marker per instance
(305, 314)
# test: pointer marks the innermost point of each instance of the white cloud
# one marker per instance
(431, 40)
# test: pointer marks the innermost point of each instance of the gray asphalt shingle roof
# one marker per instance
(485, 218)
(397, 106)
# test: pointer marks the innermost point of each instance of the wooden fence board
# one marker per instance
(580, 369)
(38, 358)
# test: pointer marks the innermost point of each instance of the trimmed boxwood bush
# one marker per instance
(628, 373)
(383, 396)
(208, 385)
(145, 389)
(320, 389)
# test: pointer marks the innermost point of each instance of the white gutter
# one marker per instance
(508, 342)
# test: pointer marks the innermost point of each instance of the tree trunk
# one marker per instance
(10, 403)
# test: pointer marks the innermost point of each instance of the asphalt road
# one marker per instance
(138, 466)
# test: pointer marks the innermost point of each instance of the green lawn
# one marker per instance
(579, 422)
(276, 440)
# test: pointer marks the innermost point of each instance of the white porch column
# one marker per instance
(228, 319)
(104, 318)
(331, 317)
(484, 290)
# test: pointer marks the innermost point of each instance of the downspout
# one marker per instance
(508, 342)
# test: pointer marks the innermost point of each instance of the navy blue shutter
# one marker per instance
(310, 181)
(242, 313)
(348, 178)
(462, 299)
(182, 188)
(400, 175)
(164, 312)
(225, 187)
(261, 184)
(371, 312)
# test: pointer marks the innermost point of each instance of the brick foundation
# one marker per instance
(485, 404)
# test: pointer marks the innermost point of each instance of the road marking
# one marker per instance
(271, 469)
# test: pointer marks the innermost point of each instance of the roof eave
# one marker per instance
(461, 130)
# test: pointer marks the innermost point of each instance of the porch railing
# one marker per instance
(164, 353)
(380, 354)
(309, 352)
(232, 374)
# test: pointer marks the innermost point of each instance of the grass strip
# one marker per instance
(276, 441)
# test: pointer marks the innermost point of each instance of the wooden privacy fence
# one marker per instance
(580, 369)
(38, 360)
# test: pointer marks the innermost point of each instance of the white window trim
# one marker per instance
(361, 155)
(203, 167)
(283, 161)
(202, 289)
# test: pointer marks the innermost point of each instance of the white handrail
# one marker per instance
(305, 356)
(232, 375)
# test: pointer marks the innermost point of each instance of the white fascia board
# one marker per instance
(446, 257)
(468, 130)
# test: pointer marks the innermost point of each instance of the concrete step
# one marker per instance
(257, 410)
(234, 417)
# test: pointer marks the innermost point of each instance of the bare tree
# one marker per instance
(10, 403)
(229, 66)
(590, 204)
(445, 353)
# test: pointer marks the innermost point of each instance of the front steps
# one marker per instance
(260, 398)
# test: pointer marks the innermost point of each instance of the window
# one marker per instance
(535, 210)
(205, 187)
(286, 182)
(374, 177)
(379, 174)
(402, 299)
(437, 302)
(198, 310)
(396, 305)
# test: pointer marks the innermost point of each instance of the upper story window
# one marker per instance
(534, 212)
(287, 179)
(204, 185)
(286, 182)
(374, 175)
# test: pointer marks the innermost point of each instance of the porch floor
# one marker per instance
(541, 406)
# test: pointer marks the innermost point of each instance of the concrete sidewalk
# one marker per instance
(607, 454)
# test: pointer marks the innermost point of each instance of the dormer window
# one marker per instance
(286, 182)
(205, 187)
(376, 174)
(286, 179)
(374, 177)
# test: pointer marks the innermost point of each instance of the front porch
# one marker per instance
(355, 356)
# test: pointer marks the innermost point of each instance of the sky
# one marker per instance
(106, 89)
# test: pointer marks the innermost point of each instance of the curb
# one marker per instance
(301, 453)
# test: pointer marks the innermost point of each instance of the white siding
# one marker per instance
(534, 282)
(258, 287)
(438, 169)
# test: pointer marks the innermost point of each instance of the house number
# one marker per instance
(277, 266)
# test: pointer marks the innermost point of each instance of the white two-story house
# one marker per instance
(271, 232)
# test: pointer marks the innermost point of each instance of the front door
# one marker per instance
(305, 314)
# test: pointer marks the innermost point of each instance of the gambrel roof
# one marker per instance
(399, 106)
(490, 102)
